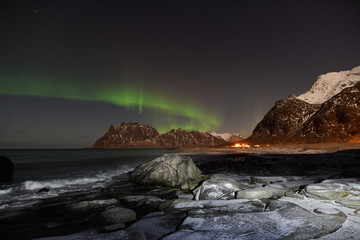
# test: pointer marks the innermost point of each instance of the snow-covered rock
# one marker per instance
(217, 189)
(282, 221)
(330, 84)
(262, 192)
(169, 170)
(349, 201)
(223, 206)
(229, 137)
(326, 190)
(329, 211)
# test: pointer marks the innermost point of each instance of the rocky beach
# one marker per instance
(278, 193)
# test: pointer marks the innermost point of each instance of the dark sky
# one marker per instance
(69, 69)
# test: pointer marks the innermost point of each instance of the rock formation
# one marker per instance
(128, 134)
(229, 137)
(169, 170)
(328, 112)
(135, 135)
(283, 120)
(338, 119)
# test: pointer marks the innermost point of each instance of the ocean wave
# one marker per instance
(6, 191)
(27, 193)
(69, 182)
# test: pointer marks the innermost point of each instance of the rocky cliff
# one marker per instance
(338, 119)
(135, 135)
(328, 112)
(283, 120)
(127, 134)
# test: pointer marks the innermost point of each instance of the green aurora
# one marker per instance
(178, 113)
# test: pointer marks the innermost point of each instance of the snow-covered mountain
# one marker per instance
(330, 84)
(328, 112)
(229, 137)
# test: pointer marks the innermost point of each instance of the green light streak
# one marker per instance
(193, 117)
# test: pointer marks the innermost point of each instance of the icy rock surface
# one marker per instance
(219, 206)
(349, 201)
(263, 192)
(327, 190)
(283, 220)
(217, 189)
(169, 170)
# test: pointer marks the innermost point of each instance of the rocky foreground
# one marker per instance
(237, 196)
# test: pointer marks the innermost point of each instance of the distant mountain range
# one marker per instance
(136, 135)
(328, 112)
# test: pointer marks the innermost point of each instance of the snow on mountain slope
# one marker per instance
(230, 137)
(224, 136)
(330, 84)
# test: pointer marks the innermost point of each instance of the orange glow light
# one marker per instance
(239, 145)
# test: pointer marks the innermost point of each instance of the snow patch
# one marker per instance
(328, 85)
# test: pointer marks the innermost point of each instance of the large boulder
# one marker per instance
(6, 168)
(217, 189)
(115, 215)
(169, 170)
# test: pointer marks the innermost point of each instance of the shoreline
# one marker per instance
(275, 166)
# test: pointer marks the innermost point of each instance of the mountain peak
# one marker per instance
(328, 112)
(328, 85)
(136, 135)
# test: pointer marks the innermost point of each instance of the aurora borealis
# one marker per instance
(69, 69)
(125, 96)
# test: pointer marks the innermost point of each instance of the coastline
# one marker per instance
(289, 166)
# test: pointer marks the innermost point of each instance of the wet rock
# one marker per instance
(219, 206)
(6, 169)
(169, 170)
(156, 225)
(126, 234)
(330, 211)
(285, 221)
(164, 205)
(217, 189)
(327, 190)
(357, 212)
(43, 190)
(111, 228)
(93, 204)
(349, 201)
(115, 215)
(264, 192)
(140, 200)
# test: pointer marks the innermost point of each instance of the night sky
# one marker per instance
(69, 69)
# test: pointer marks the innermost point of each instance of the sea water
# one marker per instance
(41, 174)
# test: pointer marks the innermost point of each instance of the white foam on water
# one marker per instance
(27, 193)
(6, 191)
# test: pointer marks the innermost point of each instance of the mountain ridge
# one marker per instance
(328, 112)
(136, 135)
